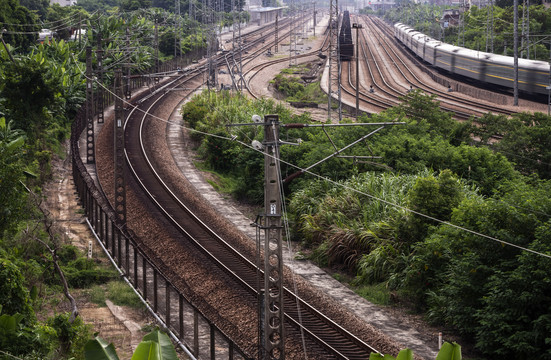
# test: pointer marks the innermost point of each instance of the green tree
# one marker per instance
(515, 317)
(14, 296)
(94, 5)
(38, 6)
(11, 174)
(464, 274)
(63, 19)
(525, 140)
(130, 5)
(20, 24)
(434, 197)
(27, 91)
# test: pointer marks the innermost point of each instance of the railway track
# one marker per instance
(322, 334)
(391, 82)
(336, 341)
(388, 43)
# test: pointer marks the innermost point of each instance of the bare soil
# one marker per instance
(120, 325)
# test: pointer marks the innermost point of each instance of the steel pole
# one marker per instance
(358, 27)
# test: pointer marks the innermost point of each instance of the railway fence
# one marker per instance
(187, 325)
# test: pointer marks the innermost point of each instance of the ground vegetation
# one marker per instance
(449, 227)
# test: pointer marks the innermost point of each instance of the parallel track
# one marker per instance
(337, 342)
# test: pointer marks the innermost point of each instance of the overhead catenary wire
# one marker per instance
(305, 170)
(289, 246)
(321, 177)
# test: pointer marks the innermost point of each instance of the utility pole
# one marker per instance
(157, 51)
(127, 89)
(515, 50)
(358, 27)
(90, 143)
(528, 29)
(523, 29)
(334, 59)
(549, 84)
(270, 292)
(314, 18)
(177, 50)
(240, 45)
(270, 297)
(492, 26)
(276, 40)
(211, 47)
(79, 30)
(99, 101)
(291, 33)
(274, 337)
(120, 183)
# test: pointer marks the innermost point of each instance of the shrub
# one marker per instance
(14, 296)
(71, 337)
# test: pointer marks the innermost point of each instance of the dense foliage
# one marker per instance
(434, 220)
(19, 23)
(291, 84)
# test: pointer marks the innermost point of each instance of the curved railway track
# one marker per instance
(322, 333)
(338, 342)
(392, 80)
(389, 44)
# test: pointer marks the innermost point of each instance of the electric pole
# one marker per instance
(177, 50)
(120, 183)
(274, 337)
(276, 33)
(515, 50)
(270, 292)
(358, 27)
(270, 295)
(334, 60)
(127, 89)
(90, 142)
(156, 51)
(99, 101)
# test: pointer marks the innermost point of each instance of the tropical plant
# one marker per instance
(448, 351)
(155, 346)
(11, 173)
(20, 338)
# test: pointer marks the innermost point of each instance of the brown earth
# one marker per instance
(120, 325)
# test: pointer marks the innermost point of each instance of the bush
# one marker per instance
(82, 278)
(290, 86)
(71, 337)
(67, 253)
(14, 296)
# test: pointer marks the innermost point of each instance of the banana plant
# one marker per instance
(449, 351)
(155, 346)
(405, 354)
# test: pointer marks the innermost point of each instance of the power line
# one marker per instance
(404, 208)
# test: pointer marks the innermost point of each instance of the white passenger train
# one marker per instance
(533, 76)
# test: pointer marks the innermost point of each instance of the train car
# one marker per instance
(346, 47)
(533, 75)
